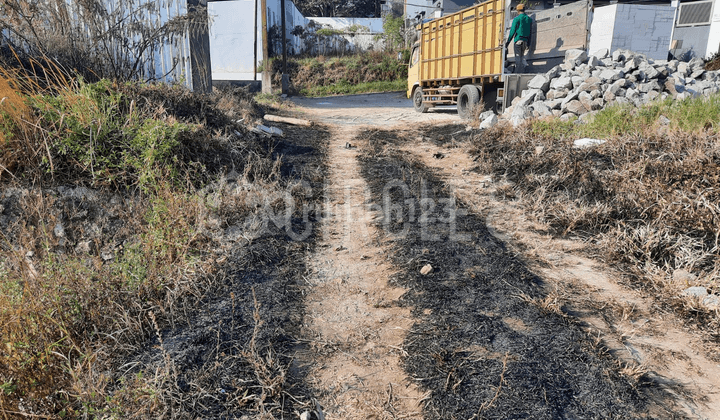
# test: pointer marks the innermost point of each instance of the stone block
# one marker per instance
(601, 53)
(611, 75)
(586, 100)
(541, 109)
(575, 56)
(561, 83)
(650, 86)
(553, 72)
(576, 81)
(541, 81)
(589, 84)
(576, 107)
(683, 68)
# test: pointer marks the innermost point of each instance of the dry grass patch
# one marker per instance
(647, 198)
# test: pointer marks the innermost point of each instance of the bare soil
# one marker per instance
(512, 322)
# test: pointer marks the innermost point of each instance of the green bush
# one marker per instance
(97, 130)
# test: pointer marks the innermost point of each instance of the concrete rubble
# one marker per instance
(584, 84)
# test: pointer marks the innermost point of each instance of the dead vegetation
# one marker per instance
(646, 198)
(119, 210)
(490, 340)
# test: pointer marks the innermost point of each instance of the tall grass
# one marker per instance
(68, 315)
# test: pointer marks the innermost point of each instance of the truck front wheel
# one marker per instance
(420, 105)
(468, 98)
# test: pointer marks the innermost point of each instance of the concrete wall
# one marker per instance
(232, 36)
(602, 28)
(362, 39)
(701, 40)
(713, 46)
(646, 29)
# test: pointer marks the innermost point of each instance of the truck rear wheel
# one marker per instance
(418, 102)
(468, 98)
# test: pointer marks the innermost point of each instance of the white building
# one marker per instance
(646, 29)
(697, 29)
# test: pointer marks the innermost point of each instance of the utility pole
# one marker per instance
(267, 71)
(255, 60)
(284, 48)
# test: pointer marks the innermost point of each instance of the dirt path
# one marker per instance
(351, 313)
(358, 333)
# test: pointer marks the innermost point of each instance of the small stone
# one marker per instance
(427, 269)
(553, 73)
(577, 81)
(632, 64)
(586, 100)
(618, 56)
(587, 118)
(711, 302)
(587, 142)
(680, 275)
(488, 122)
(83, 247)
(485, 115)
(589, 84)
(59, 230)
(697, 291)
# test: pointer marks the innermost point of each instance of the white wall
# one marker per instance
(360, 40)
(642, 28)
(714, 38)
(602, 28)
(232, 35)
(232, 39)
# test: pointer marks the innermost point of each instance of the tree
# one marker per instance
(334, 8)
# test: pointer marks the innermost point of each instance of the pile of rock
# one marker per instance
(584, 84)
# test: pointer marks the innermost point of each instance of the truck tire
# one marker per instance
(418, 102)
(468, 98)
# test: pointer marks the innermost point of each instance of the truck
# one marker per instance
(460, 59)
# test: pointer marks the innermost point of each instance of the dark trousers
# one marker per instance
(520, 49)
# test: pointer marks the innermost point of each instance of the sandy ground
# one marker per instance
(357, 331)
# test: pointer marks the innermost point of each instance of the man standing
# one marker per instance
(521, 31)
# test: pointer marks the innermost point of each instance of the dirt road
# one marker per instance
(430, 298)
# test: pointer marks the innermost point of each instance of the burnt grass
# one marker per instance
(484, 344)
(230, 356)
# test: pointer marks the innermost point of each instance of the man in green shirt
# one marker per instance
(521, 31)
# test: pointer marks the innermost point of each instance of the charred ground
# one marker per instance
(489, 341)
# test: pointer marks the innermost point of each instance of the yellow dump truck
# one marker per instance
(460, 59)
